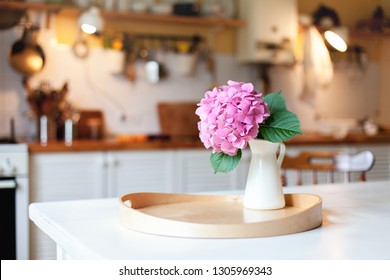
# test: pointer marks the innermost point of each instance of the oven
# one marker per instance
(14, 199)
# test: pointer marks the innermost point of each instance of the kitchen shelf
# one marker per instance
(68, 10)
(7, 5)
(206, 21)
(368, 34)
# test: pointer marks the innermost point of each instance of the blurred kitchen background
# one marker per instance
(133, 85)
(108, 73)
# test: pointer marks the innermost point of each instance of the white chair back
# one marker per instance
(360, 162)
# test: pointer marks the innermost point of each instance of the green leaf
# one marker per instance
(224, 163)
(275, 102)
(280, 126)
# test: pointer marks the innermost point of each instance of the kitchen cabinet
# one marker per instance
(178, 171)
(63, 176)
(139, 171)
(195, 174)
(77, 175)
(66, 176)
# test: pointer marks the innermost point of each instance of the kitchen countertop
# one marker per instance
(114, 145)
(144, 143)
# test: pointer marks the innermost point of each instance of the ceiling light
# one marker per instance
(91, 21)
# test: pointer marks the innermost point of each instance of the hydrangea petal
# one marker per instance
(230, 116)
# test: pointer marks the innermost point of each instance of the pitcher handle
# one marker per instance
(282, 151)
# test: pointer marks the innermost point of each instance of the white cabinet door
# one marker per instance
(62, 176)
(195, 173)
(140, 171)
(66, 176)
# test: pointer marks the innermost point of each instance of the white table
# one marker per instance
(356, 226)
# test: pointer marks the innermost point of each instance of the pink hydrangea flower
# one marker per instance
(230, 116)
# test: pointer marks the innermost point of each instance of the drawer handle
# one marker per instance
(7, 184)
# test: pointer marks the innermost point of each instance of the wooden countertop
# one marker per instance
(113, 145)
(191, 143)
(351, 138)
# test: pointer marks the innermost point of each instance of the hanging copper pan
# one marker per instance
(26, 56)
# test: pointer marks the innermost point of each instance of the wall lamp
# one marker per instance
(90, 21)
(327, 21)
(337, 38)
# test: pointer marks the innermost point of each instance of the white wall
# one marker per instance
(353, 94)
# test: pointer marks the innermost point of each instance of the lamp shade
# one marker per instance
(91, 21)
(337, 38)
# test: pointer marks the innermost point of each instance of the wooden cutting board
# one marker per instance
(91, 124)
(178, 119)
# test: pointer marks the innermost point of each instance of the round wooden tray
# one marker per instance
(212, 216)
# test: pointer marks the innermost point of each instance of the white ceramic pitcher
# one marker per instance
(264, 189)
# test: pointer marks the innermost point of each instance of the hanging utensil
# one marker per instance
(211, 64)
(154, 68)
(26, 56)
(80, 47)
(129, 63)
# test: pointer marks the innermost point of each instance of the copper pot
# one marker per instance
(26, 56)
